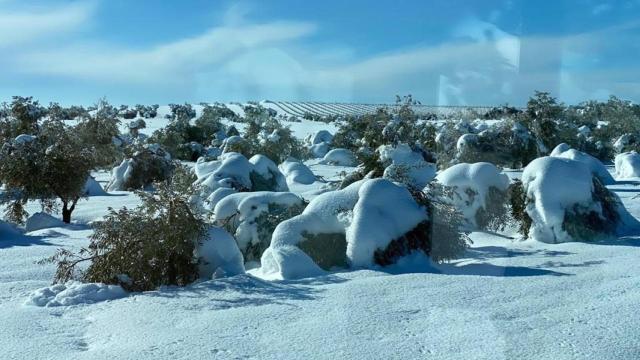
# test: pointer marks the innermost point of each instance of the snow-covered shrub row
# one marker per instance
(253, 216)
(627, 165)
(233, 170)
(567, 202)
(369, 222)
(480, 192)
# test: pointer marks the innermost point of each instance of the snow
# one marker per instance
(269, 170)
(406, 166)
(554, 185)
(319, 137)
(627, 165)
(319, 150)
(24, 138)
(477, 178)
(219, 255)
(242, 209)
(74, 293)
(119, 175)
(596, 167)
(42, 220)
(363, 211)
(342, 157)
(93, 188)
(297, 172)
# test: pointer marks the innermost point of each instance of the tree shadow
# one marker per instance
(247, 290)
(8, 241)
(495, 252)
(487, 269)
(630, 241)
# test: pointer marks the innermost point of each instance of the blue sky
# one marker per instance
(459, 52)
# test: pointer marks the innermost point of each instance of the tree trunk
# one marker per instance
(66, 214)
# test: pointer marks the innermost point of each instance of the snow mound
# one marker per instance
(241, 211)
(233, 170)
(369, 213)
(297, 172)
(269, 171)
(471, 184)
(597, 168)
(41, 220)
(319, 150)
(340, 157)
(562, 196)
(627, 165)
(74, 293)
(319, 137)
(93, 188)
(216, 196)
(219, 255)
(406, 166)
(120, 175)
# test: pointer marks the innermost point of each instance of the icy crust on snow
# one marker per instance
(297, 172)
(42, 220)
(219, 255)
(553, 185)
(340, 157)
(477, 178)
(371, 213)
(233, 170)
(406, 165)
(75, 293)
(243, 209)
(627, 165)
(597, 168)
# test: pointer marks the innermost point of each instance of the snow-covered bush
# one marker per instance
(627, 165)
(218, 255)
(406, 166)
(253, 216)
(318, 143)
(597, 168)
(297, 172)
(141, 171)
(340, 157)
(236, 144)
(140, 249)
(480, 192)
(233, 170)
(567, 202)
(97, 131)
(369, 222)
(506, 144)
(269, 137)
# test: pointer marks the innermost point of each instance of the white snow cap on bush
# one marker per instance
(41, 220)
(627, 165)
(269, 170)
(74, 293)
(319, 137)
(120, 175)
(24, 138)
(217, 195)
(93, 188)
(245, 207)
(554, 185)
(597, 168)
(219, 255)
(340, 157)
(319, 150)
(406, 165)
(297, 172)
(466, 140)
(371, 213)
(234, 170)
(478, 177)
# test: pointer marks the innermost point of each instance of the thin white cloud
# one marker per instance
(20, 27)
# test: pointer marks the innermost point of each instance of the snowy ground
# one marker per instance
(504, 299)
